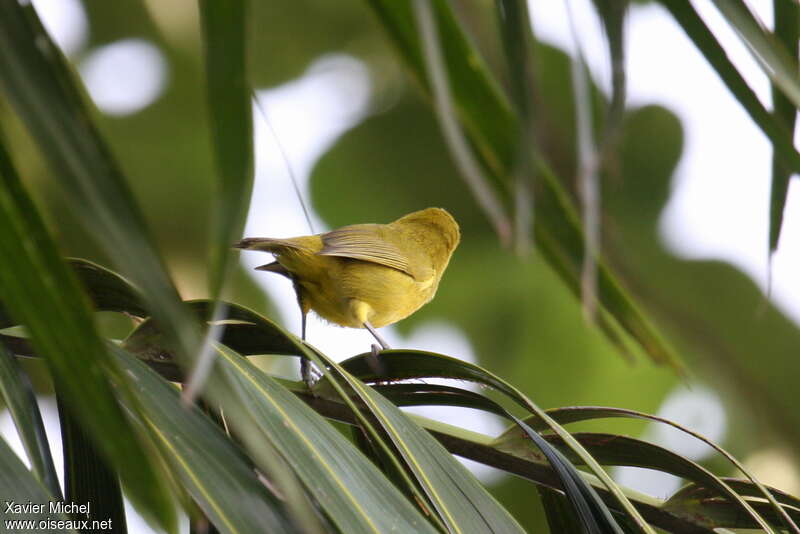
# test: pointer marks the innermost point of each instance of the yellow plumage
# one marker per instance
(366, 274)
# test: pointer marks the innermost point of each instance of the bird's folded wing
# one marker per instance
(365, 242)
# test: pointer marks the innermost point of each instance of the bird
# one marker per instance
(364, 275)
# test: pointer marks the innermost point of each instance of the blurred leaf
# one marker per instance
(108, 290)
(245, 331)
(215, 472)
(17, 484)
(239, 422)
(17, 345)
(353, 493)
(225, 38)
(518, 44)
(587, 177)
(515, 29)
(787, 31)
(472, 87)
(562, 247)
(490, 125)
(40, 85)
(444, 106)
(702, 301)
(41, 292)
(612, 14)
(20, 399)
(87, 477)
(770, 54)
(685, 14)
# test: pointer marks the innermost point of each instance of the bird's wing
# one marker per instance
(365, 242)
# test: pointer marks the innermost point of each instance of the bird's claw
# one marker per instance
(307, 374)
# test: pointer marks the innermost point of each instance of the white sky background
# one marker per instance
(719, 207)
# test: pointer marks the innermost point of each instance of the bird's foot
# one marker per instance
(375, 362)
(307, 373)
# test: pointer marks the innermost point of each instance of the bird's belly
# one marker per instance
(390, 294)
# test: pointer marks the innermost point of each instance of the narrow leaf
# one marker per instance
(215, 472)
(591, 512)
(700, 516)
(560, 517)
(225, 38)
(462, 503)
(782, 142)
(787, 31)
(613, 14)
(490, 126)
(624, 451)
(769, 53)
(40, 292)
(18, 485)
(588, 179)
(20, 399)
(43, 90)
(451, 129)
(108, 290)
(419, 364)
(87, 477)
(518, 45)
(583, 413)
(699, 492)
(225, 35)
(450, 501)
(355, 495)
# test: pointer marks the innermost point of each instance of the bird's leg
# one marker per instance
(375, 362)
(376, 335)
(305, 364)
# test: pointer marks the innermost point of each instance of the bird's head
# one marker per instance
(441, 220)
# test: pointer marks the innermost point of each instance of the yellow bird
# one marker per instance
(365, 275)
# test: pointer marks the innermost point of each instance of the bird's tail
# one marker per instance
(274, 267)
(267, 244)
